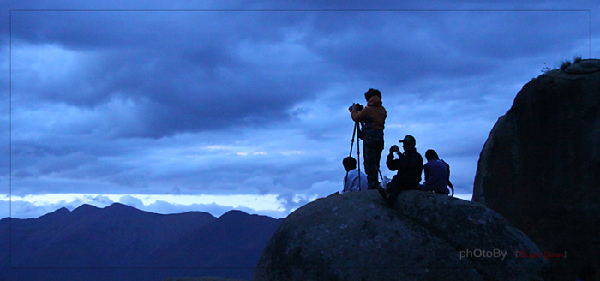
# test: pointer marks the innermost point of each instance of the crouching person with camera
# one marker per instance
(409, 166)
(372, 117)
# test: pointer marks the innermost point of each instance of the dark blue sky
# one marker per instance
(155, 97)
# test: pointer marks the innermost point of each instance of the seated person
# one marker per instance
(409, 166)
(353, 181)
(437, 174)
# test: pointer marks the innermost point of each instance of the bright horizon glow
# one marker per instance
(464, 196)
(267, 204)
(216, 204)
(256, 202)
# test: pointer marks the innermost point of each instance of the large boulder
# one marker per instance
(540, 167)
(424, 236)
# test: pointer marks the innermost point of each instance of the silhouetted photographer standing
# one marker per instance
(372, 117)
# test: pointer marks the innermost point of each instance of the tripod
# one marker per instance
(354, 133)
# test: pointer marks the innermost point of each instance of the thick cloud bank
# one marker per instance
(252, 98)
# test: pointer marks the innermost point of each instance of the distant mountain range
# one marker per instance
(120, 242)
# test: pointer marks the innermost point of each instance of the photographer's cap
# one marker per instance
(409, 140)
(372, 92)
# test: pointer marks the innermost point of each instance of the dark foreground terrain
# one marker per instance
(122, 243)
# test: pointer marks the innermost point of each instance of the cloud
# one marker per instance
(291, 202)
(234, 102)
(101, 200)
(26, 209)
(131, 201)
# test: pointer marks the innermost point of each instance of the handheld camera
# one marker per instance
(359, 107)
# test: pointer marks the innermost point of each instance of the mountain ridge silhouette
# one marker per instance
(136, 243)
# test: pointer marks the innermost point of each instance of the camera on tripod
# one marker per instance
(359, 107)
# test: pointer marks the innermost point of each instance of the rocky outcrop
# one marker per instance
(540, 167)
(355, 236)
(583, 67)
